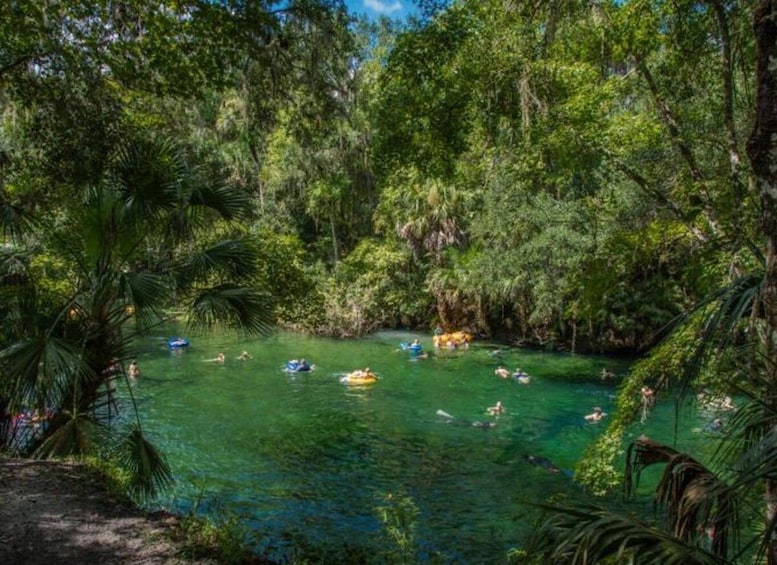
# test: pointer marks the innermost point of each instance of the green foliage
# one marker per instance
(285, 275)
(375, 286)
(573, 157)
(127, 247)
(710, 348)
(149, 473)
(420, 115)
(593, 534)
(714, 347)
(223, 537)
(540, 141)
(428, 213)
(599, 470)
(399, 515)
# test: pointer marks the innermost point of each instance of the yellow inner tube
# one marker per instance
(361, 378)
(456, 338)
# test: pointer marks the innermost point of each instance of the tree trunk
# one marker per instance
(762, 150)
(732, 139)
(333, 231)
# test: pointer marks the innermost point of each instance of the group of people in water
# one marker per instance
(221, 358)
(713, 402)
(450, 341)
(716, 405)
(114, 369)
(648, 395)
(460, 422)
(518, 374)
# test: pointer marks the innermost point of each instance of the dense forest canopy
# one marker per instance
(564, 172)
(567, 173)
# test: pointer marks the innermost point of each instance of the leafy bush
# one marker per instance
(375, 286)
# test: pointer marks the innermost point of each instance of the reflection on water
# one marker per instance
(304, 458)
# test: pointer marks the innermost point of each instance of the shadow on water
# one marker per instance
(307, 459)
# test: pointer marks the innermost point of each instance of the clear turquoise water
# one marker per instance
(305, 459)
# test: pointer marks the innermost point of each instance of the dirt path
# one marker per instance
(53, 512)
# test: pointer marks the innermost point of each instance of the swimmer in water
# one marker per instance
(547, 464)
(497, 409)
(715, 425)
(543, 462)
(220, 358)
(596, 415)
(456, 422)
(502, 372)
(521, 377)
(648, 396)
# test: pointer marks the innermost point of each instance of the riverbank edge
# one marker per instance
(66, 511)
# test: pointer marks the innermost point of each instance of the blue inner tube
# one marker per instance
(296, 366)
(410, 346)
(177, 342)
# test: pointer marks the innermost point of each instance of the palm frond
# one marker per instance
(148, 174)
(723, 313)
(17, 291)
(91, 230)
(77, 436)
(13, 265)
(143, 294)
(589, 534)
(152, 177)
(15, 219)
(751, 460)
(228, 202)
(234, 258)
(156, 182)
(149, 472)
(743, 428)
(231, 306)
(759, 461)
(694, 497)
(40, 369)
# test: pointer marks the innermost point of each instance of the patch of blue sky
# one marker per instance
(394, 9)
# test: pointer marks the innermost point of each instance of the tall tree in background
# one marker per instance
(592, 182)
(719, 508)
(762, 149)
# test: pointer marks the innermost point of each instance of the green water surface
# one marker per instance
(303, 460)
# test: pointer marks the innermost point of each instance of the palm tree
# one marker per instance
(114, 258)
